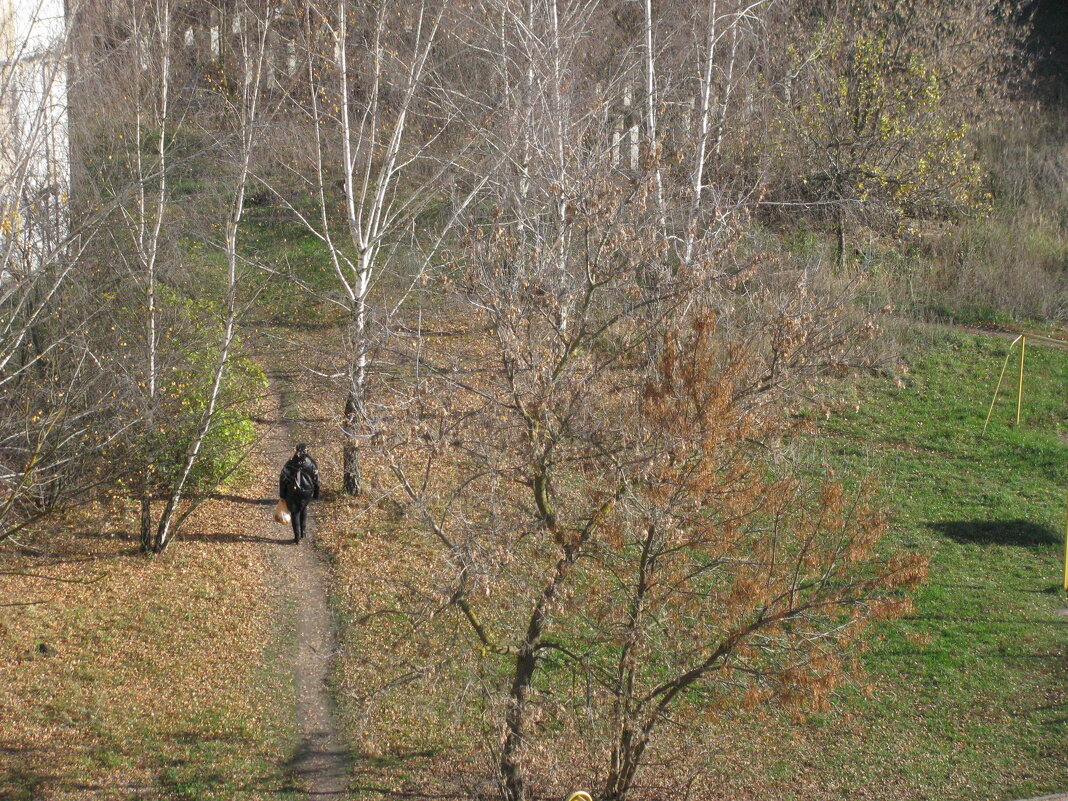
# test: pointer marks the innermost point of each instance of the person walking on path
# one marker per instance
(298, 484)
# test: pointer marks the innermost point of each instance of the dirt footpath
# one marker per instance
(320, 760)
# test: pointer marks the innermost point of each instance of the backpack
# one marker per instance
(300, 479)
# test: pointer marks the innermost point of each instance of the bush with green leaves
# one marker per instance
(189, 352)
(874, 138)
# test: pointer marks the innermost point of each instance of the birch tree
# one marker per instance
(718, 47)
(243, 119)
(56, 404)
(370, 91)
(185, 363)
(152, 26)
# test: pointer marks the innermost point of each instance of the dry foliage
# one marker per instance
(583, 539)
(120, 675)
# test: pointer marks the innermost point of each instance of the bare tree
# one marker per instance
(601, 473)
(723, 69)
(538, 394)
(374, 125)
(55, 401)
(621, 528)
(151, 25)
(184, 367)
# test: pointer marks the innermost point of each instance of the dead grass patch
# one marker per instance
(126, 676)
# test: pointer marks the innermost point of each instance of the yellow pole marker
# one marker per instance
(1051, 340)
(1001, 378)
(581, 795)
(1019, 386)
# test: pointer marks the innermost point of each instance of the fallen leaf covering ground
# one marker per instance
(169, 678)
(892, 735)
(123, 676)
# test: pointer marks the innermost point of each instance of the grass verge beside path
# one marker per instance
(127, 677)
(965, 699)
(969, 696)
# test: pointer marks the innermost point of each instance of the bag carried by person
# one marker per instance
(281, 513)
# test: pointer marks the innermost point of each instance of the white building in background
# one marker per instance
(34, 131)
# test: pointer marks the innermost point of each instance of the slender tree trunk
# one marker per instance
(651, 121)
(350, 449)
(626, 758)
(513, 782)
(840, 238)
(624, 761)
(561, 166)
(253, 71)
(148, 250)
(703, 121)
(526, 117)
(511, 763)
(149, 467)
(721, 125)
(370, 198)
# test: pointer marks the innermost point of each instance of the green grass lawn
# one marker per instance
(968, 697)
(970, 694)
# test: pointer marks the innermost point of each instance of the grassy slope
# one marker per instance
(965, 699)
(148, 678)
(970, 696)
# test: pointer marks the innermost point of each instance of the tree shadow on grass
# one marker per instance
(29, 773)
(217, 496)
(315, 759)
(18, 779)
(190, 536)
(1023, 533)
(70, 558)
(185, 764)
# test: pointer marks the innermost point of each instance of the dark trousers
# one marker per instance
(298, 512)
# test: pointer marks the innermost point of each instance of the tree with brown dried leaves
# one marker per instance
(628, 528)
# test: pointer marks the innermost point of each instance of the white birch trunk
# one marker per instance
(372, 169)
(563, 293)
(703, 126)
(149, 225)
(650, 113)
(253, 63)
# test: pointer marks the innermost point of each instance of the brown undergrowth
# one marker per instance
(416, 695)
(412, 730)
(125, 676)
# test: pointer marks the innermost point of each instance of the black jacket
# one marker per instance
(287, 479)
